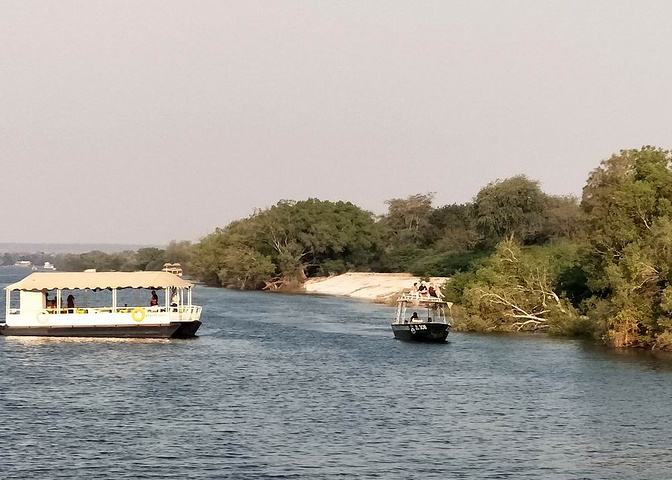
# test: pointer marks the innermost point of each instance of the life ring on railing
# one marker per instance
(138, 314)
(42, 317)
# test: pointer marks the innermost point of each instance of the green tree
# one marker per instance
(180, 252)
(245, 268)
(516, 289)
(149, 258)
(512, 207)
(301, 236)
(100, 261)
(301, 239)
(452, 228)
(208, 254)
(408, 219)
(562, 217)
(627, 204)
(8, 259)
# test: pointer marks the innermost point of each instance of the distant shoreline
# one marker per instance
(75, 248)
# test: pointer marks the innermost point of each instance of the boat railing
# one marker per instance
(185, 309)
(184, 313)
(414, 297)
(434, 320)
(181, 309)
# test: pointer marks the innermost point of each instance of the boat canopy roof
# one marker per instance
(98, 280)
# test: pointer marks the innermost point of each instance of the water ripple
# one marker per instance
(290, 387)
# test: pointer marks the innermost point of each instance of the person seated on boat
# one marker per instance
(422, 289)
(431, 290)
(414, 290)
(154, 301)
(429, 319)
(414, 317)
(439, 293)
(173, 297)
(71, 303)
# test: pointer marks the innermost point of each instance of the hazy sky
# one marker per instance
(145, 121)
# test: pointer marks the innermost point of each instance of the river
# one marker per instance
(297, 386)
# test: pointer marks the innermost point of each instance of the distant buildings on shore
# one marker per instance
(76, 248)
(28, 264)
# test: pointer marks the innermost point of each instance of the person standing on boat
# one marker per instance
(48, 302)
(154, 301)
(71, 303)
(422, 289)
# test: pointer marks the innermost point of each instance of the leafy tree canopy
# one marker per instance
(516, 288)
(299, 239)
(408, 219)
(511, 207)
(628, 213)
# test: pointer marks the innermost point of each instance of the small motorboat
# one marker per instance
(429, 322)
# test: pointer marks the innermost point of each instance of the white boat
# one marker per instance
(30, 311)
(431, 325)
(48, 266)
(175, 268)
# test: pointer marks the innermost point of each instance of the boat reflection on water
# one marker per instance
(39, 340)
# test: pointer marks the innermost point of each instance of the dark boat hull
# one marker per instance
(186, 329)
(421, 332)
(172, 330)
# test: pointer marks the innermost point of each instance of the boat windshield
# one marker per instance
(422, 309)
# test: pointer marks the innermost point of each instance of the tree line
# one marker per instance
(282, 246)
(518, 258)
(147, 258)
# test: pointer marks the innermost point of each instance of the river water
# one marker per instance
(294, 386)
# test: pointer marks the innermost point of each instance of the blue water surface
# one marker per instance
(296, 386)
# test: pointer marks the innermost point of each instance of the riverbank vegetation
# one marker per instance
(520, 259)
(606, 273)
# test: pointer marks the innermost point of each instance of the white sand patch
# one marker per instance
(368, 286)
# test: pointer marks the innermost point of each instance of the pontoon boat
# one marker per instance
(31, 312)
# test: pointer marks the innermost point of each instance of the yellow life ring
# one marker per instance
(138, 314)
(42, 317)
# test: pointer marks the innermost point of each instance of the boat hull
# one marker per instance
(171, 330)
(421, 332)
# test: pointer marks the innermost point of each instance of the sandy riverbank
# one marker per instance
(379, 287)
